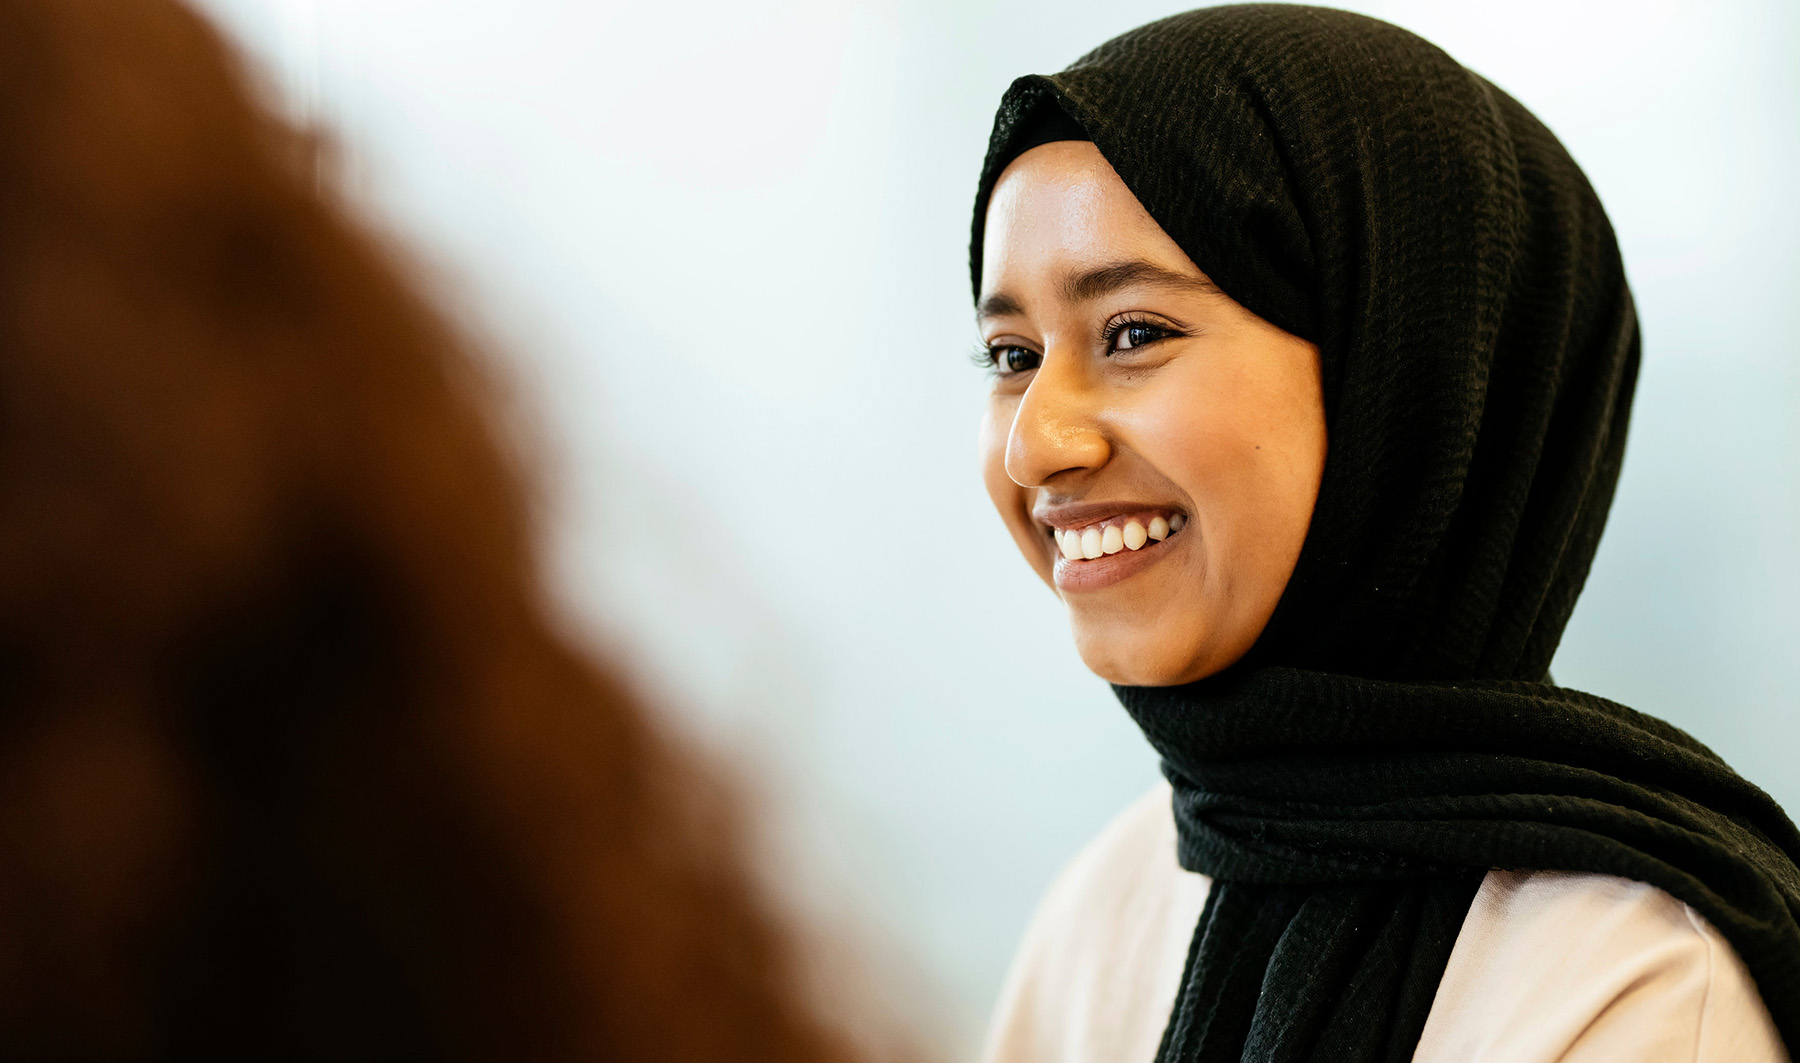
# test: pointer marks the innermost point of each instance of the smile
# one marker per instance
(1093, 541)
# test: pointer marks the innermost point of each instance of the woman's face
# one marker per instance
(1154, 447)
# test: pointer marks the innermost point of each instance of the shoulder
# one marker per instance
(1131, 858)
(1576, 967)
(1098, 967)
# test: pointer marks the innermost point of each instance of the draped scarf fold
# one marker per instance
(1347, 824)
(1393, 734)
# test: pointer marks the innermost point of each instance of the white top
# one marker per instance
(1548, 966)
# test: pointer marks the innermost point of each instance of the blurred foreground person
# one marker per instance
(294, 762)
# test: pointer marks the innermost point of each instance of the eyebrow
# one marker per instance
(1104, 280)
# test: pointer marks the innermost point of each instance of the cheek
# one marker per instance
(995, 423)
(1192, 428)
(1011, 501)
(1233, 439)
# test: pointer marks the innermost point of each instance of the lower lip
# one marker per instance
(1092, 575)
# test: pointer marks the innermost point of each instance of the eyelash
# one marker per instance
(988, 358)
(1113, 328)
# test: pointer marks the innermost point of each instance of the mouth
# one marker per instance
(1093, 553)
(1091, 542)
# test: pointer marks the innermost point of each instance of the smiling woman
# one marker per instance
(1154, 447)
(1312, 356)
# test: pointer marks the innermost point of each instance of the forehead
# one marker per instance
(1059, 208)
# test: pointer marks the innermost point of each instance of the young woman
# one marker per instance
(1312, 357)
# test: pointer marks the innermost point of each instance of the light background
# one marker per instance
(722, 244)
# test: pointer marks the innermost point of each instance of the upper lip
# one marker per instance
(1082, 514)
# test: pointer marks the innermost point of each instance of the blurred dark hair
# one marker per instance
(293, 762)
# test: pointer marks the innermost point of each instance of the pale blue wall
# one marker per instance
(727, 242)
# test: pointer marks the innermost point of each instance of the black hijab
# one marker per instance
(1394, 735)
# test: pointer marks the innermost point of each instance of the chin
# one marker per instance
(1129, 662)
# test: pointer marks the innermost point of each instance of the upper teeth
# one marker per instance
(1108, 537)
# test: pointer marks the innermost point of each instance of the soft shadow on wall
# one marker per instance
(726, 242)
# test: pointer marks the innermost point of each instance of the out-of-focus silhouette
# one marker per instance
(293, 760)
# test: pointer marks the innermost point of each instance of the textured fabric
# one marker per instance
(1549, 967)
(1381, 804)
(1392, 735)
(1351, 183)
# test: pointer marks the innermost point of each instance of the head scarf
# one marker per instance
(1393, 734)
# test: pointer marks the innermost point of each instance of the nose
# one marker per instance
(1057, 430)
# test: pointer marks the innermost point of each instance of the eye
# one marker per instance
(1129, 335)
(1009, 360)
